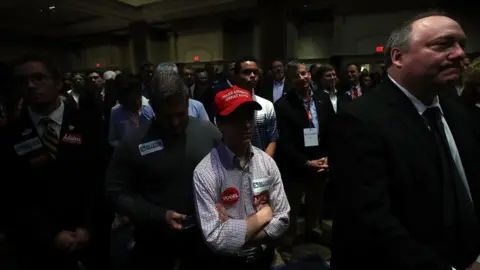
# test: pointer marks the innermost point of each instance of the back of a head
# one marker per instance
(126, 85)
(168, 85)
(166, 67)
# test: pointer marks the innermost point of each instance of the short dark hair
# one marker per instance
(166, 85)
(126, 84)
(49, 66)
(293, 65)
(353, 64)
(312, 66)
(200, 70)
(324, 69)
(400, 36)
(238, 63)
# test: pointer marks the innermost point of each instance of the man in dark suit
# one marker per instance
(405, 163)
(354, 89)
(53, 175)
(277, 85)
(303, 120)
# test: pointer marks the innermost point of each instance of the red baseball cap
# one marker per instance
(228, 100)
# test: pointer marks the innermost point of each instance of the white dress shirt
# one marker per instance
(56, 116)
(421, 108)
(278, 89)
(333, 98)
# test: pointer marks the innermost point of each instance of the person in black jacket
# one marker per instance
(405, 163)
(52, 173)
(303, 120)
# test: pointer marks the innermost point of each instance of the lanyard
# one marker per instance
(307, 108)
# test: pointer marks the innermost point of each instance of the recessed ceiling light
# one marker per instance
(51, 7)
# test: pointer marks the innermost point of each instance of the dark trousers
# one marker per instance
(220, 262)
(313, 186)
(186, 248)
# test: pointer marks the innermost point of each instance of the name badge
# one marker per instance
(72, 138)
(150, 147)
(261, 190)
(28, 146)
(310, 137)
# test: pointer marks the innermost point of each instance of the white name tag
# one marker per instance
(310, 137)
(150, 147)
(28, 146)
(261, 191)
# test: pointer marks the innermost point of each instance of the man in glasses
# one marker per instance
(54, 175)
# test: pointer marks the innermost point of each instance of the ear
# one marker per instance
(397, 57)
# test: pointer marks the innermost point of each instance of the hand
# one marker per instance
(174, 219)
(81, 238)
(475, 266)
(266, 212)
(222, 212)
(65, 240)
(323, 163)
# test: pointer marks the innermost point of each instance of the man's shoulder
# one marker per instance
(195, 103)
(266, 104)
(202, 127)
(136, 137)
(372, 104)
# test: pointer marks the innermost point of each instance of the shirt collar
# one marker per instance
(227, 157)
(56, 116)
(279, 82)
(421, 108)
(331, 92)
(145, 101)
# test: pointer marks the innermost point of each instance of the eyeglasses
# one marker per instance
(35, 78)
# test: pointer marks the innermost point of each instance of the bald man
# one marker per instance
(405, 162)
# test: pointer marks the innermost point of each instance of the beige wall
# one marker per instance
(159, 51)
(12, 50)
(314, 41)
(206, 44)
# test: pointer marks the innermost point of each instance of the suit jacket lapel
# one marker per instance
(406, 113)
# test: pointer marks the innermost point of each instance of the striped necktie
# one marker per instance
(49, 136)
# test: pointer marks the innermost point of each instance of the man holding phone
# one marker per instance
(241, 204)
(150, 179)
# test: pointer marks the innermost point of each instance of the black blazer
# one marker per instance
(389, 187)
(266, 89)
(41, 196)
(292, 119)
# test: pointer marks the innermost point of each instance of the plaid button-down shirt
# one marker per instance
(220, 170)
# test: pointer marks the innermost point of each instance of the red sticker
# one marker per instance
(230, 196)
(72, 138)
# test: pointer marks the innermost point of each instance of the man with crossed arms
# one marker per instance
(239, 196)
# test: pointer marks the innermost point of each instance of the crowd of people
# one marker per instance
(182, 169)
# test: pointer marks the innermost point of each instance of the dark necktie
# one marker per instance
(49, 136)
(464, 214)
